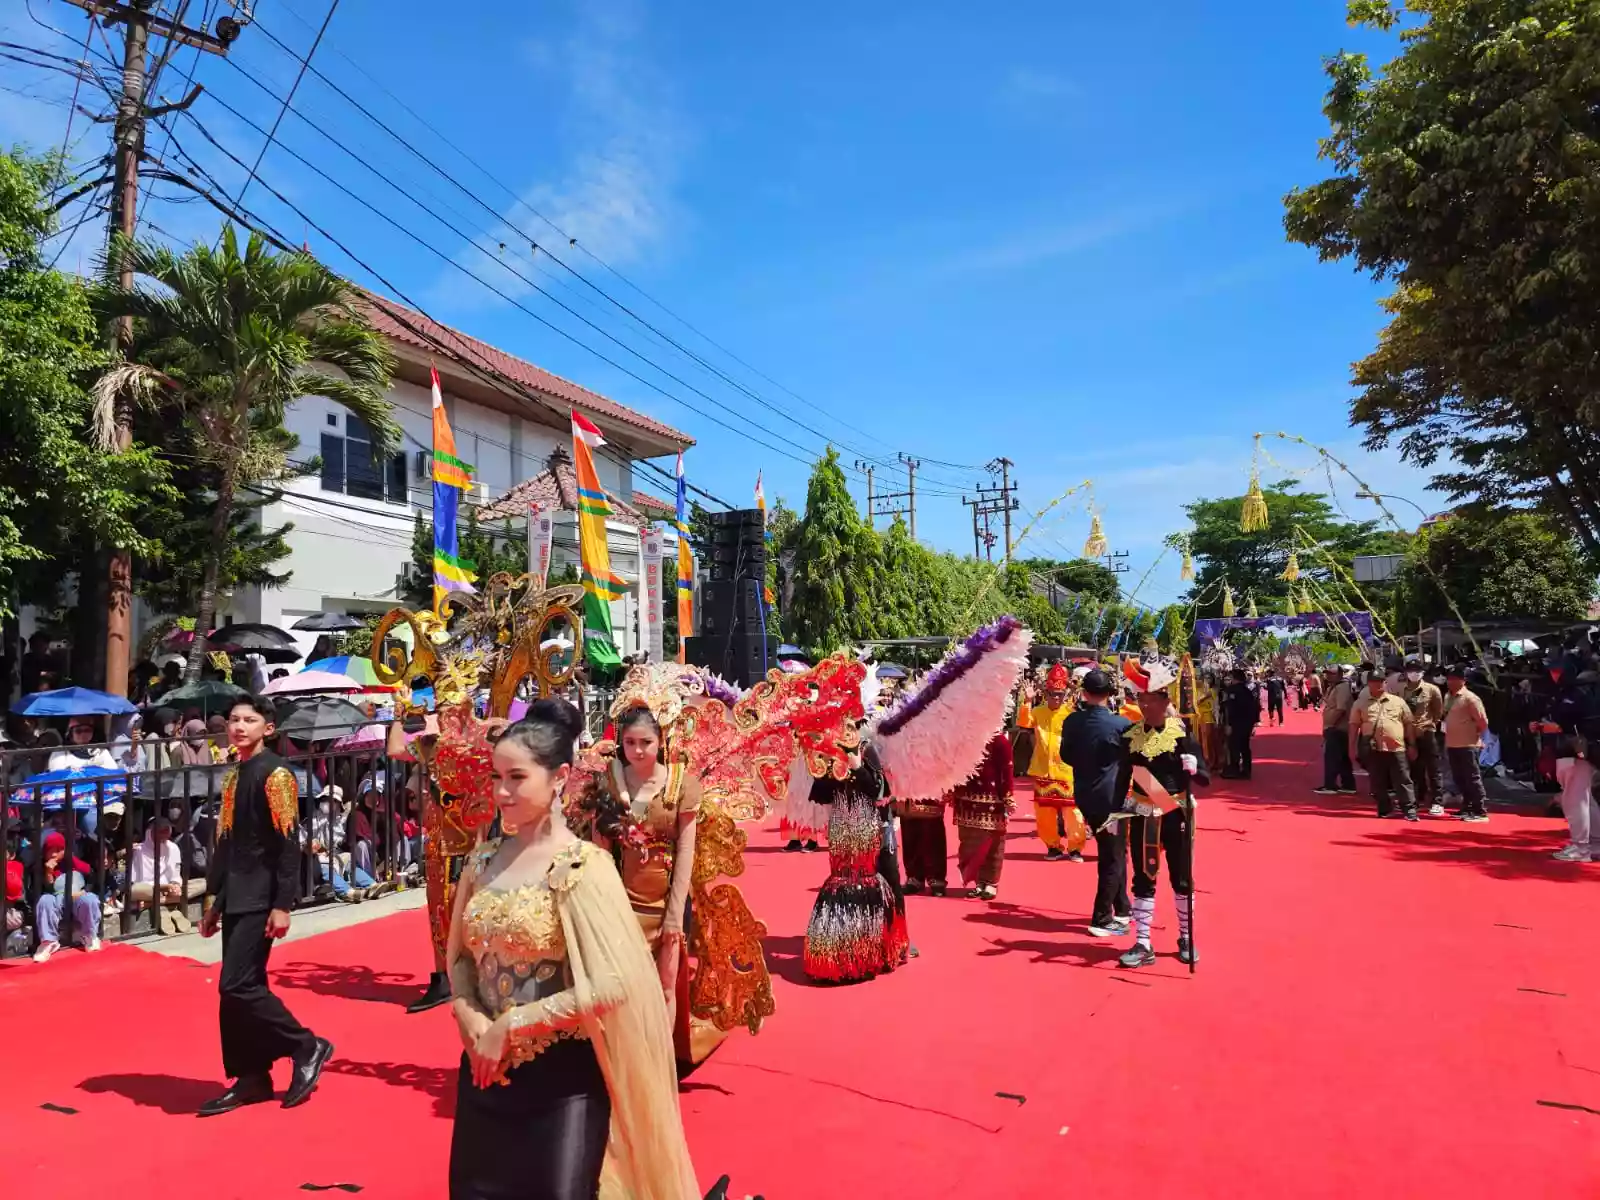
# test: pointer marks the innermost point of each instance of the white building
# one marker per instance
(353, 523)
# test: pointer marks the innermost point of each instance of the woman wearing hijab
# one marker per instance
(81, 749)
(59, 873)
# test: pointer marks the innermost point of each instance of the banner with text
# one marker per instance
(651, 602)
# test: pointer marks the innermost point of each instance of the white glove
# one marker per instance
(1191, 764)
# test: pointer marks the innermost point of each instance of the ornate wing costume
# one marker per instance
(740, 749)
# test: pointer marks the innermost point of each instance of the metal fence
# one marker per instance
(362, 835)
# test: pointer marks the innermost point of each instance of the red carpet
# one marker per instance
(1381, 1009)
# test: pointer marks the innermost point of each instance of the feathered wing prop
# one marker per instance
(934, 738)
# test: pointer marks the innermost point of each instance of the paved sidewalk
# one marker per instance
(305, 923)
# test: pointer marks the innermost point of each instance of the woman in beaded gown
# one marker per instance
(858, 924)
(567, 1088)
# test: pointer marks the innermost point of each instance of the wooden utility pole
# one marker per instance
(1007, 503)
(868, 469)
(128, 135)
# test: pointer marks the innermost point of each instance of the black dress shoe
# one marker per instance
(438, 993)
(306, 1073)
(812, 847)
(793, 846)
(719, 1190)
(247, 1089)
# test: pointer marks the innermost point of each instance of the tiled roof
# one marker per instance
(555, 487)
(647, 503)
(393, 319)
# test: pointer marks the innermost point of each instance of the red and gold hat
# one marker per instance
(1058, 679)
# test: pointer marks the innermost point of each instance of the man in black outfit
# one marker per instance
(1277, 691)
(1241, 707)
(1092, 745)
(250, 888)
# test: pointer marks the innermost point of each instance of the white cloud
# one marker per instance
(614, 195)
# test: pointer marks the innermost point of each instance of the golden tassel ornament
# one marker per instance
(1096, 545)
(1292, 571)
(1253, 518)
(1289, 609)
(1250, 607)
(1306, 605)
(1186, 572)
(1227, 601)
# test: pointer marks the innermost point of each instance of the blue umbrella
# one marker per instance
(51, 787)
(71, 702)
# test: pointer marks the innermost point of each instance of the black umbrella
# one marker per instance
(274, 645)
(320, 718)
(326, 623)
(208, 695)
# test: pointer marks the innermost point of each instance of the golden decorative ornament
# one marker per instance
(1289, 608)
(1227, 601)
(1250, 607)
(1292, 571)
(1096, 545)
(1186, 572)
(1253, 518)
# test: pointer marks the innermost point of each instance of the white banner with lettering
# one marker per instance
(541, 537)
(653, 629)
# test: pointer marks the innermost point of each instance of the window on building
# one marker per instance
(351, 466)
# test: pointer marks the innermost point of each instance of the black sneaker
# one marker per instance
(1186, 951)
(1475, 818)
(937, 888)
(812, 847)
(438, 993)
(1054, 852)
(794, 846)
(248, 1089)
(1411, 815)
(1324, 791)
(1074, 856)
(913, 887)
(1139, 956)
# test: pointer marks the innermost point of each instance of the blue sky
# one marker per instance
(1039, 230)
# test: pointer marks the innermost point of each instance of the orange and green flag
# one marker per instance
(600, 586)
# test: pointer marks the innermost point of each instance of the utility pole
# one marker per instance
(977, 550)
(868, 468)
(128, 135)
(1003, 466)
(911, 489)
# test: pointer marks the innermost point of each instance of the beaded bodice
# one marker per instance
(516, 941)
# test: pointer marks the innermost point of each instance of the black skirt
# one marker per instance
(540, 1136)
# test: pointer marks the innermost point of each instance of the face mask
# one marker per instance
(1414, 676)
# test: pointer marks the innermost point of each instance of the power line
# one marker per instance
(251, 220)
(305, 63)
(500, 217)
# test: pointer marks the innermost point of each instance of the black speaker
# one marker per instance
(736, 545)
(730, 606)
(742, 660)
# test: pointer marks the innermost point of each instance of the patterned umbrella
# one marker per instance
(51, 787)
(358, 669)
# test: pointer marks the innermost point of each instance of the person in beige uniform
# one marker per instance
(1384, 719)
(1464, 723)
(1338, 775)
(1427, 710)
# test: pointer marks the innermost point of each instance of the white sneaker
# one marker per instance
(45, 950)
(1566, 854)
(1436, 811)
(90, 946)
(1109, 930)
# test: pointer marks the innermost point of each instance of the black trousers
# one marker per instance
(540, 1136)
(1337, 769)
(1240, 760)
(1427, 772)
(1171, 833)
(1111, 864)
(1390, 775)
(1468, 775)
(1275, 707)
(926, 849)
(257, 1030)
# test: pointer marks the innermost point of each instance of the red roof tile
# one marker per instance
(555, 487)
(647, 503)
(392, 320)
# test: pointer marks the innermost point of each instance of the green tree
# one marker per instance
(230, 338)
(60, 493)
(1516, 564)
(1253, 562)
(838, 566)
(1465, 173)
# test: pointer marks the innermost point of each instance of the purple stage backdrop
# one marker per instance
(1355, 623)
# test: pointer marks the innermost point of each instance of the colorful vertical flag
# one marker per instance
(685, 565)
(451, 477)
(600, 586)
(761, 497)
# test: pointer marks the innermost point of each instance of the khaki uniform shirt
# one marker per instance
(1385, 719)
(1427, 705)
(1336, 707)
(1464, 721)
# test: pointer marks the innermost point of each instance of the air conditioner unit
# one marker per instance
(479, 493)
(422, 464)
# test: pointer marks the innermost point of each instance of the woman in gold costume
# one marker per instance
(660, 804)
(567, 1088)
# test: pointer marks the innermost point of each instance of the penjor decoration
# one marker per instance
(1096, 544)
(1253, 516)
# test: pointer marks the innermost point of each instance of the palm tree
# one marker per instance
(228, 340)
